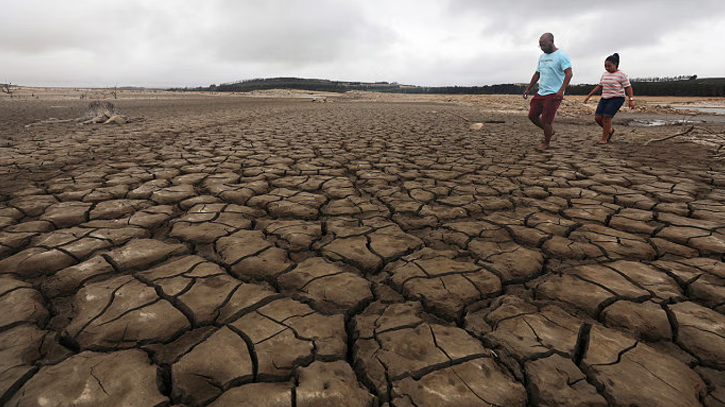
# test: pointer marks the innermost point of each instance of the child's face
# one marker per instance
(610, 67)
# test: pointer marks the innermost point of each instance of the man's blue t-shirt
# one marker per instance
(551, 68)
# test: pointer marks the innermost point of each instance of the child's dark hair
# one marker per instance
(614, 58)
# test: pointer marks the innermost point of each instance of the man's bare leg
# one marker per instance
(548, 131)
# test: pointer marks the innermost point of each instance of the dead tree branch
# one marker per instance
(669, 137)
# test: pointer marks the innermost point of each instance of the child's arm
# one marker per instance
(630, 96)
(595, 90)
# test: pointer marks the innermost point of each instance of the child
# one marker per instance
(613, 84)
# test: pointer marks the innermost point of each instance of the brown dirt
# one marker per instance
(373, 249)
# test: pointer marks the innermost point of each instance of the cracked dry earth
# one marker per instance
(259, 252)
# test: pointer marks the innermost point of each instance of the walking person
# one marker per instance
(613, 84)
(553, 74)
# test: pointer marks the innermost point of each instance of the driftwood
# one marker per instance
(669, 137)
(97, 112)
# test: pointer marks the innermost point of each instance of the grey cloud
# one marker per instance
(624, 22)
(291, 32)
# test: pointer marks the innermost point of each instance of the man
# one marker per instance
(554, 70)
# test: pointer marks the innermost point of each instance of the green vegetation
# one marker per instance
(661, 86)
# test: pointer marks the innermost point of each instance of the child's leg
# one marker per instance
(606, 128)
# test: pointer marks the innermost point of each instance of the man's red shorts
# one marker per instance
(544, 106)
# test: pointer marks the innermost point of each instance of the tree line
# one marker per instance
(684, 85)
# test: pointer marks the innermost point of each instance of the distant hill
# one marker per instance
(650, 87)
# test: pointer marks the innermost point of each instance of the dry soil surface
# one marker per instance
(361, 251)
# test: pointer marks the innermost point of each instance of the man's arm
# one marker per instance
(534, 79)
(567, 78)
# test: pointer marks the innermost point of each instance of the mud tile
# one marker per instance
(257, 394)
(646, 321)
(391, 242)
(526, 332)
(556, 381)
(33, 205)
(106, 194)
(172, 195)
(666, 248)
(701, 331)
(444, 285)
(117, 208)
(330, 384)
(298, 234)
(286, 333)
(198, 200)
(629, 372)
(406, 346)
(140, 253)
(712, 245)
(148, 188)
(469, 383)
(211, 367)
(206, 232)
(201, 286)
(251, 256)
(550, 224)
(571, 289)
(662, 286)
(716, 386)
(326, 331)
(67, 214)
(511, 261)
(276, 347)
(36, 261)
(120, 313)
(20, 303)
(614, 243)
(151, 217)
(110, 379)
(20, 349)
(70, 279)
(327, 285)
(354, 251)
(711, 266)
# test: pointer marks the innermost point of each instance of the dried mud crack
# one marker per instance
(256, 251)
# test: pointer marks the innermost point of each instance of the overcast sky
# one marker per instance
(170, 43)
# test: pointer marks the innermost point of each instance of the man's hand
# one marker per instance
(526, 94)
(559, 95)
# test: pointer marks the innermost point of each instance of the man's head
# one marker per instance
(546, 43)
